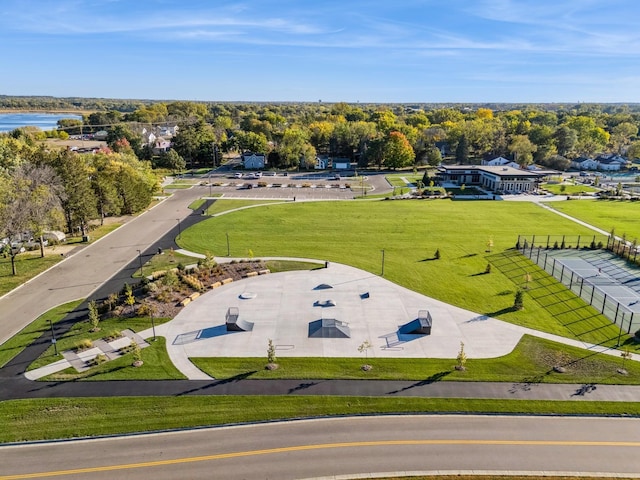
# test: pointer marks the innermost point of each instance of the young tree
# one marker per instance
(94, 316)
(271, 353)
(364, 348)
(129, 299)
(209, 262)
(137, 354)
(518, 301)
(461, 358)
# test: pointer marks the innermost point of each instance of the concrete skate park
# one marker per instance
(356, 306)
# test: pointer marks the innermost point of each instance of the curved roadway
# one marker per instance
(346, 447)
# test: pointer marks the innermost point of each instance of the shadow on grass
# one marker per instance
(436, 377)
(502, 311)
(479, 274)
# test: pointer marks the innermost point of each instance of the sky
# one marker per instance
(402, 51)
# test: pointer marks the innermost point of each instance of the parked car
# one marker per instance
(237, 175)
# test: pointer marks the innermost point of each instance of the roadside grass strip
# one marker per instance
(57, 418)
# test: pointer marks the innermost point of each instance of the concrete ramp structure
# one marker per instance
(419, 326)
(329, 328)
(234, 323)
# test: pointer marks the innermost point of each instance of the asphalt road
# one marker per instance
(346, 446)
(84, 271)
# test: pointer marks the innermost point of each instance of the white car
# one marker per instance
(257, 174)
(237, 175)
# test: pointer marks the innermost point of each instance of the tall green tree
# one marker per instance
(398, 152)
(523, 149)
(462, 150)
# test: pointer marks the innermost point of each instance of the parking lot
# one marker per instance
(271, 185)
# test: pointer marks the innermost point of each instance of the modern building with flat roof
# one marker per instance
(494, 178)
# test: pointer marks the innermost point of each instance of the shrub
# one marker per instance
(193, 282)
(151, 288)
(84, 344)
(180, 267)
(165, 296)
(144, 310)
(113, 335)
(100, 358)
(170, 279)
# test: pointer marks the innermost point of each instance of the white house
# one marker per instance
(610, 162)
(322, 163)
(253, 161)
(500, 162)
(584, 163)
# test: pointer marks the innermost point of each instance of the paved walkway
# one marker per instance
(15, 385)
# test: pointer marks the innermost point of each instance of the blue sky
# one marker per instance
(350, 50)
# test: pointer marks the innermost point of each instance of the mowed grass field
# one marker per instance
(624, 216)
(410, 232)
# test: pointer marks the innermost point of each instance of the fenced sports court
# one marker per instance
(604, 280)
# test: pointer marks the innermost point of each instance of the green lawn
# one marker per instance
(531, 361)
(34, 330)
(396, 180)
(156, 366)
(354, 233)
(224, 205)
(566, 189)
(28, 265)
(29, 420)
(166, 260)
(81, 331)
(622, 215)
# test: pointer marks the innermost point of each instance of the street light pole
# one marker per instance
(53, 338)
(228, 251)
(382, 274)
(140, 259)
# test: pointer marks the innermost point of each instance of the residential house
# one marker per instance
(341, 164)
(610, 162)
(161, 146)
(253, 161)
(322, 163)
(500, 162)
(584, 163)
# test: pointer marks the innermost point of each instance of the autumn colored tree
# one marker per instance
(398, 152)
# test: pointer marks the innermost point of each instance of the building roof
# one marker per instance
(501, 170)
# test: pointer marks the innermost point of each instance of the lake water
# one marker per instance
(44, 121)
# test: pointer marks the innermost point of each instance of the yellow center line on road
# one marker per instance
(271, 451)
